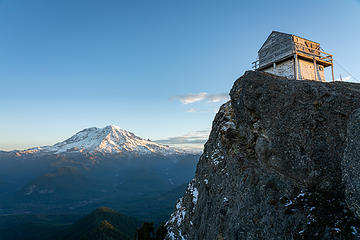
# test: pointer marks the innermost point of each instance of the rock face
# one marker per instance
(282, 162)
(351, 163)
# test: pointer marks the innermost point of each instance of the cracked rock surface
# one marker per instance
(282, 162)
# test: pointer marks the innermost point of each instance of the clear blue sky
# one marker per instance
(70, 64)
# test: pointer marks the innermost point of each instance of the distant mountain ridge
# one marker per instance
(103, 223)
(108, 140)
(96, 166)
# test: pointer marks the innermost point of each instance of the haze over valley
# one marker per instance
(95, 167)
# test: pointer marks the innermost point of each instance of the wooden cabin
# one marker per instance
(293, 57)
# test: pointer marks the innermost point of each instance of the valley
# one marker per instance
(51, 188)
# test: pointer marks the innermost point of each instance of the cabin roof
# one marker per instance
(286, 34)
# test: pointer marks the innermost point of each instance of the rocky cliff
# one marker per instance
(282, 162)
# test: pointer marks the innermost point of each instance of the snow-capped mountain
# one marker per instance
(93, 167)
(110, 139)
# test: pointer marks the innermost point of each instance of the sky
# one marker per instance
(160, 69)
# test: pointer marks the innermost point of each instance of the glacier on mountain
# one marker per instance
(107, 140)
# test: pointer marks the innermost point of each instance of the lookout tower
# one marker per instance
(293, 57)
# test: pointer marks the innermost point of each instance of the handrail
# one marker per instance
(316, 53)
(317, 50)
(297, 48)
(255, 64)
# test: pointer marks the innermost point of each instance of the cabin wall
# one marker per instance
(283, 69)
(306, 71)
(277, 46)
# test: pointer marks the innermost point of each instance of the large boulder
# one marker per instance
(281, 162)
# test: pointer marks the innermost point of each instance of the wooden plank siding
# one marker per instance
(293, 57)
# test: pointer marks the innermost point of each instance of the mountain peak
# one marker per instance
(114, 127)
(110, 139)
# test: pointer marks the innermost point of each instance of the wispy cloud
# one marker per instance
(191, 141)
(191, 110)
(348, 79)
(345, 79)
(201, 110)
(203, 96)
(191, 137)
(218, 97)
(191, 98)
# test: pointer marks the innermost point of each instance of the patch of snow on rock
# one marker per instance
(179, 214)
(181, 236)
(171, 235)
(228, 125)
(215, 157)
(355, 231)
(194, 192)
(288, 203)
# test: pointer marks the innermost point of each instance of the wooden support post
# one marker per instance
(332, 72)
(315, 68)
(295, 67)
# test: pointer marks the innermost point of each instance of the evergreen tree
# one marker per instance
(146, 232)
(161, 232)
